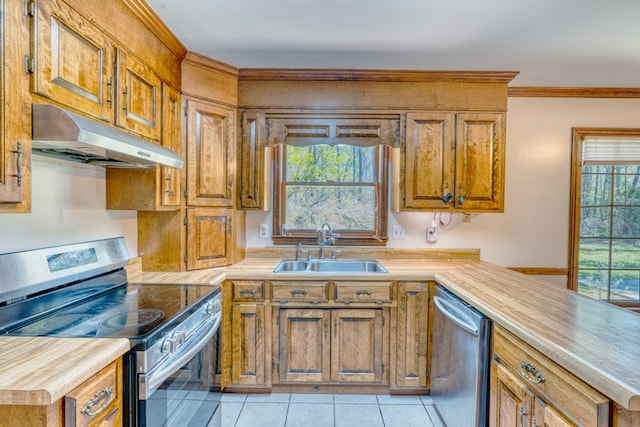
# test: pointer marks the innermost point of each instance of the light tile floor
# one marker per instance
(327, 410)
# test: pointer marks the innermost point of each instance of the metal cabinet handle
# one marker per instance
(461, 197)
(105, 393)
(298, 292)
(522, 415)
(18, 152)
(247, 292)
(110, 98)
(126, 98)
(169, 180)
(527, 368)
(363, 292)
(326, 328)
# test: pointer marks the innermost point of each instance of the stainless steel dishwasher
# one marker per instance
(459, 361)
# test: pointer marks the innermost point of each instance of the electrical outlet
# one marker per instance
(264, 231)
(466, 217)
(397, 232)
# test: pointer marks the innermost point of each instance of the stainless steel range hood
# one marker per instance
(62, 134)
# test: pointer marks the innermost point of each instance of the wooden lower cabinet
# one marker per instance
(411, 340)
(249, 333)
(304, 345)
(528, 389)
(332, 345)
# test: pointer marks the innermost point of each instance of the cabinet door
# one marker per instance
(428, 153)
(171, 139)
(547, 416)
(73, 60)
(359, 347)
(210, 154)
(412, 335)
(209, 238)
(139, 97)
(248, 345)
(15, 114)
(252, 169)
(304, 345)
(480, 144)
(511, 402)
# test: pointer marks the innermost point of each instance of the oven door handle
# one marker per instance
(148, 383)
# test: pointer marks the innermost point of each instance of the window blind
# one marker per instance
(598, 150)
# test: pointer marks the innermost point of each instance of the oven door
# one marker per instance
(184, 391)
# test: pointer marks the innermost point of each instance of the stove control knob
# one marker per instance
(168, 346)
(209, 309)
(217, 306)
(179, 337)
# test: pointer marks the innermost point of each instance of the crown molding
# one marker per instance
(571, 92)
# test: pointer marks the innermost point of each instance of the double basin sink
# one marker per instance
(329, 266)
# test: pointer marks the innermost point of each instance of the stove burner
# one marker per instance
(132, 320)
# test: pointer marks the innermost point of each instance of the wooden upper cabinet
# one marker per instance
(139, 106)
(480, 156)
(171, 139)
(209, 238)
(156, 188)
(15, 114)
(210, 154)
(453, 162)
(72, 60)
(253, 163)
(428, 155)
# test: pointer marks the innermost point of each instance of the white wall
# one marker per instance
(68, 206)
(534, 229)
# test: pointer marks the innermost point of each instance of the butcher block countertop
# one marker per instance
(596, 341)
(41, 370)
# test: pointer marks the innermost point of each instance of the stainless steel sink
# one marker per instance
(330, 266)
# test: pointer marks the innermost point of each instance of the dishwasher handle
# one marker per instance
(456, 315)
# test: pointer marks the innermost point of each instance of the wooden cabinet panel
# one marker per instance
(248, 290)
(210, 154)
(511, 403)
(428, 153)
(359, 347)
(15, 114)
(209, 237)
(169, 187)
(248, 345)
(139, 97)
(73, 60)
(253, 163)
(480, 142)
(363, 292)
(332, 129)
(309, 292)
(304, 345)
(412, 336)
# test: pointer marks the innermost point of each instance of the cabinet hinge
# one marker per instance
(29, 8)
(186, 221)
(404, 196)
(428, 372)
(185, 257)
(29, 65)
(184, 193)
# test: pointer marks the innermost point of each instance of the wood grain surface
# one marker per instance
(41, 370)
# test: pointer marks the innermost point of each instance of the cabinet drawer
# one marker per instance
(314, 292)
(560, 388)
(248, 290)
(95, 401)
(378, 292)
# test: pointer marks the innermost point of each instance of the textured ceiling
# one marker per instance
(566, 43)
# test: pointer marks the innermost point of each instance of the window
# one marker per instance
(605, 243)
(343, 185)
